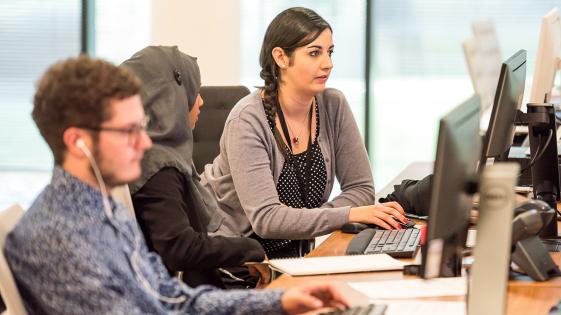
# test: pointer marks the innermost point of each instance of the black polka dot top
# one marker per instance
(290, 192)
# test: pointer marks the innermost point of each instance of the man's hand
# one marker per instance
(311, 297)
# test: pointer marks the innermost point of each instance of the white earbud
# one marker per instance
(82, 146)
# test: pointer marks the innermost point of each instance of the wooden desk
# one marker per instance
(524, 296)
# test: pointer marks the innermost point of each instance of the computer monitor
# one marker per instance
(483, 57)
(454, 170)
(508, 98)
(547, 57)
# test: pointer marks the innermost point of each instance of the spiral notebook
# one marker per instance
(335, 264)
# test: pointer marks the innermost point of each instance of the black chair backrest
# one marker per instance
(218, 101)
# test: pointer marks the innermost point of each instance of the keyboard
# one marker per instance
(370, 309)
(396, 243)
(552, 245)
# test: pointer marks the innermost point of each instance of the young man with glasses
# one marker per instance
(78, 251)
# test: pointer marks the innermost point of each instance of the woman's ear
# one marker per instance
(281, 59)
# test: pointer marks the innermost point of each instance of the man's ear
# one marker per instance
(280, 57)
(71, 137)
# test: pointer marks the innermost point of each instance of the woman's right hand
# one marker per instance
(384, 215)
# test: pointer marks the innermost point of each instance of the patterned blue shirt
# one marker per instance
(68, 257)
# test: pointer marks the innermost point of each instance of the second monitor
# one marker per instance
(454, 171)
(508, 99)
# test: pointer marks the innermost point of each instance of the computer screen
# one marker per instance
(547, 57)
(483, 57)
(455, 168)
(508, 98)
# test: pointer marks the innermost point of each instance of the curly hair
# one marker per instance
(77, 92)
(290, 29)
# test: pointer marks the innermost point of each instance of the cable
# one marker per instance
(137, 240)
(549, 137)
(533, 159)
(539, 152)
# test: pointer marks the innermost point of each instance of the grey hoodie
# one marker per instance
(170, 81)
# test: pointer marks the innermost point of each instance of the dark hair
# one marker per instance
(292, 28)
(77, 92)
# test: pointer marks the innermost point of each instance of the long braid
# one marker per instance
(270, 95)
(271, 102)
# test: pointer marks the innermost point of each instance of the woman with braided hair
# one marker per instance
(284, 144)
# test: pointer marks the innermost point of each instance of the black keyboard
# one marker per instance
(370, 309)
(552, 245)
(396, 243)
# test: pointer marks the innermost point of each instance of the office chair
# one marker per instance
(122, 194)
(8, 288)
(218, 101)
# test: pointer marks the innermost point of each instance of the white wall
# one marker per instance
(209, 30)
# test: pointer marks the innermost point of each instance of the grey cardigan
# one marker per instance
(244, 175)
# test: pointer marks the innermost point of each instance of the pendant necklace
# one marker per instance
(296, 136)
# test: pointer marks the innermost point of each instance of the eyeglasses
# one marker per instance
(133, 133)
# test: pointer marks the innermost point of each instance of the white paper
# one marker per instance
(413, 288)
(336, 264)
(417, 307)
(471, 238)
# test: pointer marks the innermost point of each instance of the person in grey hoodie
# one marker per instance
(173, 209)
(283, 145)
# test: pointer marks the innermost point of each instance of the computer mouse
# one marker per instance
(409, 225)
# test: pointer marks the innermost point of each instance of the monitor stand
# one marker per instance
(545, 171)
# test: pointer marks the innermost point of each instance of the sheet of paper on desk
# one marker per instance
(471, 238)
(335, 264)
(418, 307)
(412, 288)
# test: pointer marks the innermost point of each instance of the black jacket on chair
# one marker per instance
(174, 229)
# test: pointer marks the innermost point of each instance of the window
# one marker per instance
(33, 35)
(121, 28)
(419, 72)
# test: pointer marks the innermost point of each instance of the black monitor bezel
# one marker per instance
(500, 131)
(444, 205)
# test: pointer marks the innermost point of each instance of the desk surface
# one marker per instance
(524, 297)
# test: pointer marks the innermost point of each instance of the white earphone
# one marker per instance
(80, 144)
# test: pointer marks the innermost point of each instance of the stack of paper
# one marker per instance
(419, 307)
(335, 264)
(412, 288)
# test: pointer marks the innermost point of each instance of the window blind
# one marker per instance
(33, 35)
